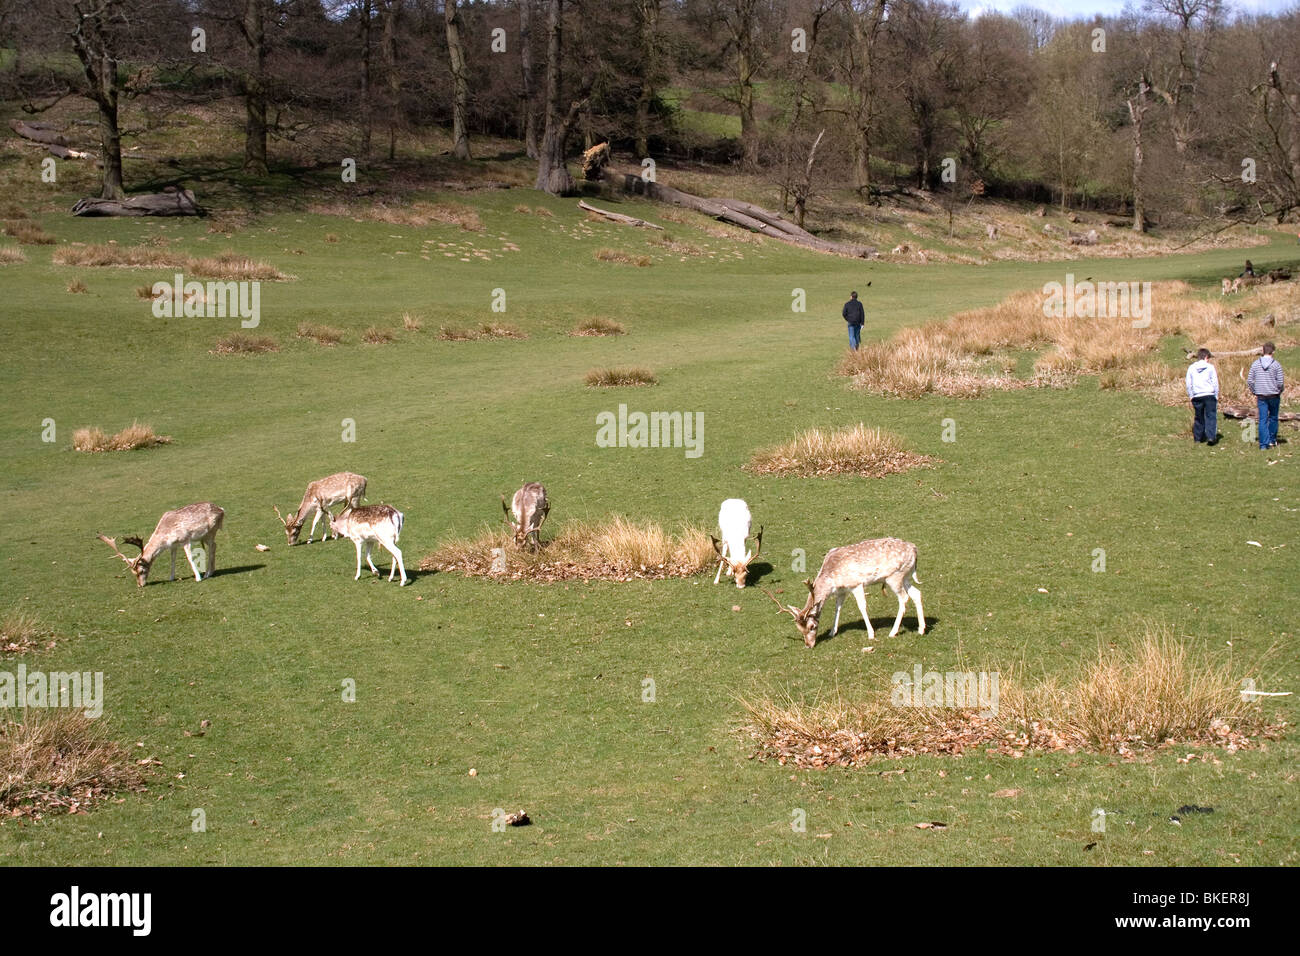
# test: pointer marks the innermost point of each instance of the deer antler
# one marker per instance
(716, 546)
(758, 543)
(283, 520)
(781, 608)
(112, 543)
(509, 517)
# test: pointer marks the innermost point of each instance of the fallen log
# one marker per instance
(1252, 411)
(595, 168)
(64, 153)
(617, 216)
(39, 133)
(173, 202)
(1254, 351)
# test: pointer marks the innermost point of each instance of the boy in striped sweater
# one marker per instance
(1265, 383)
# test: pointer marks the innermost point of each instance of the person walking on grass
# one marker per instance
(854, 315)
(1203, 390)
(1265, 383)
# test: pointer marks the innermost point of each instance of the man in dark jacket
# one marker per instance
(854, 315)
(1265, 383)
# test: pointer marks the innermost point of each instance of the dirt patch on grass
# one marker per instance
(134, 436)
(60, 761)
(1154, 693)
(616, 549)
(855, 450)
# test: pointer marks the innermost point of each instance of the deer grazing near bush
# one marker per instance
(528, 509)
(319, 497)
(179, 528)
(734, 522)
(851, 569)
(368, 524)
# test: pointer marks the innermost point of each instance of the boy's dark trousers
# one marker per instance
(1205, 423)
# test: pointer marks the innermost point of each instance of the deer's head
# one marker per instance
(805, 618)
(292, 525)
(139, 565)
(739, 569)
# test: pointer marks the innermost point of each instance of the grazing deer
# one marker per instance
(1231, 285)
(851, 569)
(319, 497)
(179, 528)
(734, 522)
(528, 510)
(368, 524)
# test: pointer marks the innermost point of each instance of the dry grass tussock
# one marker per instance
(419, 213)
(973, 352)
(59, 761)
(132, 437)
(227, 266)
(486, 330)
(11, 254)
(321, 334)
(616, 549)
(1153, 692)
(855, 450)
(241, 343)
(620, 376)
(21, 632)
(598, 326)
(623, 257)
(28, 233)
(374, 335)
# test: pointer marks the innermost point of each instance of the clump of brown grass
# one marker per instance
(412, 323)
(624, 375)
(21, 632)
(28, 233)
(241, 343)
(331, 237)
(11, 254)
(321, 334)
(57, 761)
(855, 450)
(146, 292)
(486, 330)
(605, 254)
(12, 210)
(134, 436)
(377, 336)
(598, 325)
(77, 287)
(228, 265)
(615, 549)
(1154, 691)
(419, 213)
(677, 246)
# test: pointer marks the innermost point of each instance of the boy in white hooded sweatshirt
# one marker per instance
(1203, 390)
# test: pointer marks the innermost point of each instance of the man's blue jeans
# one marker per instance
(1268, 409)
(1205, 424)
(855, 336)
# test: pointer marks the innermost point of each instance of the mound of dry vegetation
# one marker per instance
(598, 326)
(855, 450)
(485, 330)
(226, 266)
(21, 632)
(620, 376)
(612, 550)
(130, 438)
(59, 761)
(1154, 692)
(419, 213)
(975, 352)
(28, 233)
(11, 254)
(241, 343)
(326, 335)
(622, 257)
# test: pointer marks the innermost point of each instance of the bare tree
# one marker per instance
(459, 80)
(552, 174)
(95, 43)
(528, 93)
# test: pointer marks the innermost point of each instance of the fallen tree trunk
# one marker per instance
(617, 216)
(176, 202)
(38, 133)
(1254, 351)
(755, 218)
(1252, 411)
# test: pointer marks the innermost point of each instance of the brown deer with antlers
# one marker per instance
(528, 510)
(319, 497)
(850, 570)
(180, 528)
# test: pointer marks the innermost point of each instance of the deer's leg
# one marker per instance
(717, 577)
(915, 594)
(369, 547)
(212, 555)
(173, 577)
(189, 556)
(897, 587)
(315, 516)
(397, 561)
(357, 542)
(839, 603)
(860, 595)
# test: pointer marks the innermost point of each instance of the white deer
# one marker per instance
(851, 569)
(368, 524)
(528, 510)
(179, 528)
(319, 497)
(734, 522)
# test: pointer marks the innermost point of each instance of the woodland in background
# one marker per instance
(1176, 110)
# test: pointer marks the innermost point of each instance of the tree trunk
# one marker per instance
(364, 12)
(648, 30)
(552, 175)
(529, 92)
(390, 73)
(254, 28)
(459, 81)
(1137, 107)
(99, 63)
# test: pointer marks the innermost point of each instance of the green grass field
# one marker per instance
(539, 688)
